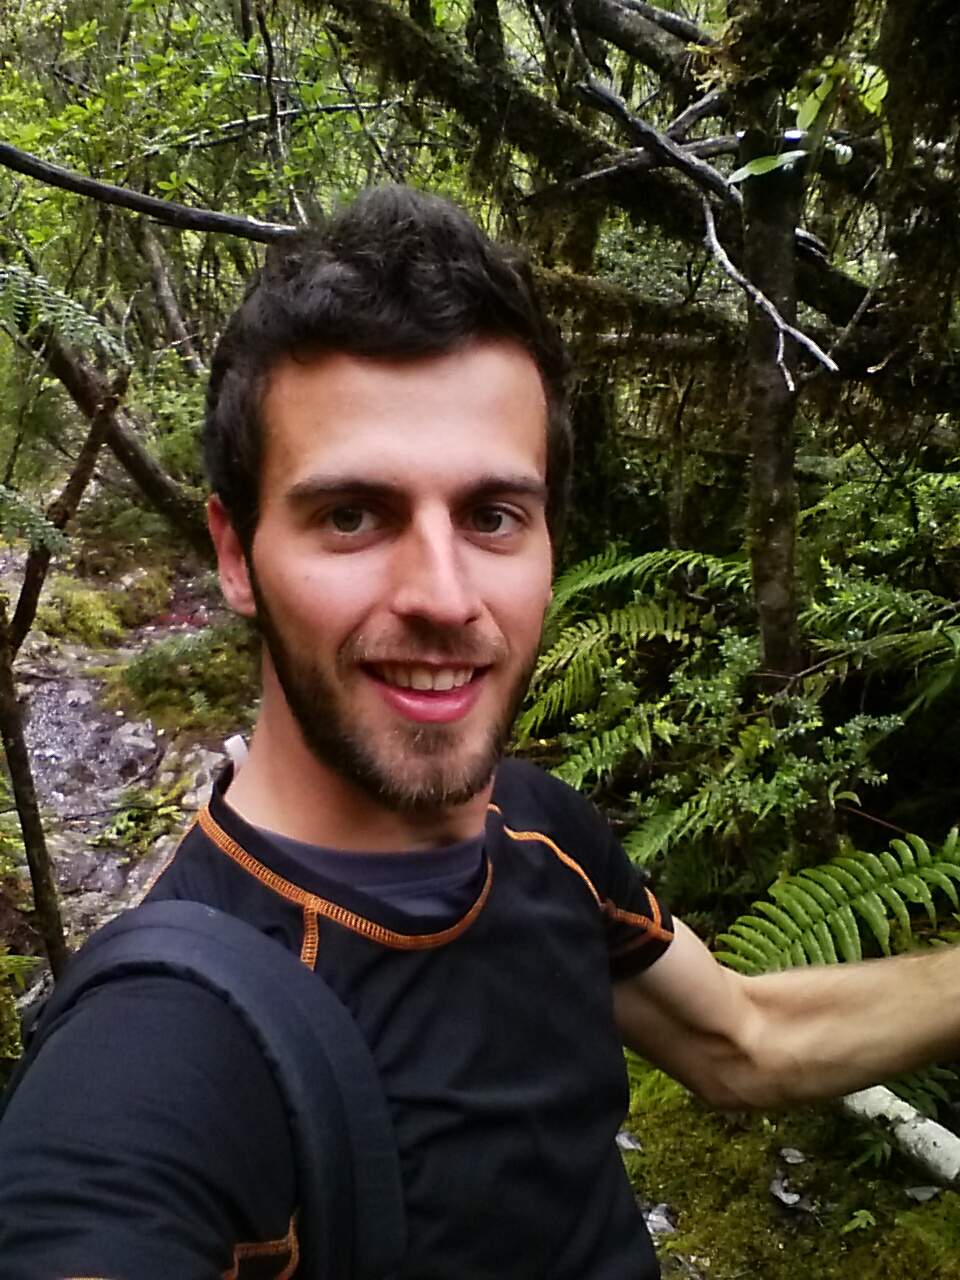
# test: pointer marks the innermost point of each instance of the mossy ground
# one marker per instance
(96, 615)
(715, 1175)
(204, 683)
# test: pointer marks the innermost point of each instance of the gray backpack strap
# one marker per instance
(351, 1220)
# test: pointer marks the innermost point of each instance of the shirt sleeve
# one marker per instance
(147, 1141)
(639, 928)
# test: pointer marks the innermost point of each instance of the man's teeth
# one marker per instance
(424, 678)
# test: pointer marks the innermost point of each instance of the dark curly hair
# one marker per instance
(398, 273)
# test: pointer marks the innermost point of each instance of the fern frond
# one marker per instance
(31, 299)
(601, 755)
(643, 570)
(814, 915)
(19, 515)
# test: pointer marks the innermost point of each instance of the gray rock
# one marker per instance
(106, 878)
(73, 870)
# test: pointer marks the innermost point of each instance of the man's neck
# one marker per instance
(283, 787)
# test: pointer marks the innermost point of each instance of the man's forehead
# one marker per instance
(478, 397)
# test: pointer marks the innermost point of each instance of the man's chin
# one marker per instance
(413, 791)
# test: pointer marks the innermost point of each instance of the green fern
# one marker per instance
(19, 515)
(817, 916)
(30, 299)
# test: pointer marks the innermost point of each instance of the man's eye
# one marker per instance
(493, 520)
(350, 519)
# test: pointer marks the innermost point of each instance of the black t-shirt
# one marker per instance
(148, 1142)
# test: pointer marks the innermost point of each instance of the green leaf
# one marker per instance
(813, 102)
(872, 86)
(765, 164)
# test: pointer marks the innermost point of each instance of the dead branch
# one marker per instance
(764, 303)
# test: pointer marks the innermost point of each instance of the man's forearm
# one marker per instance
(832, 1029)
(787, 1038)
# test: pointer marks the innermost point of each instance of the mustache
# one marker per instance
(455, 647)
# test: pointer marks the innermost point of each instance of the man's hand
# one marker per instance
(792, 1037)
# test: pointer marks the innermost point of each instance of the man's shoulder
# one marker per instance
(529, 798)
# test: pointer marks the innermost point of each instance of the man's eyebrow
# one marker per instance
(312, 488)
(516, 485)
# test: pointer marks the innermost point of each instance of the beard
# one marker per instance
(408, 768)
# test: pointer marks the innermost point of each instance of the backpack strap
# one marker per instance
(351, 1220)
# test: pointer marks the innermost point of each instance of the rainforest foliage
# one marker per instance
(753, 653)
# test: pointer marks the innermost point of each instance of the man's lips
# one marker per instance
(429, 694)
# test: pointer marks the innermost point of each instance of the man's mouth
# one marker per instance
(422, 678)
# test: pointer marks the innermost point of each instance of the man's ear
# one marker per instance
(231, 562)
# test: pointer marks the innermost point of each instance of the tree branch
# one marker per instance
(673, 23)
(179, 335)
(665, 149)
(764, 303)
(710, 104)
(165, 211)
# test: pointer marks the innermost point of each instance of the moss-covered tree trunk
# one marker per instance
(771, 212)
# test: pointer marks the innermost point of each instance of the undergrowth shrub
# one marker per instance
(649, 693)
(206, 681)
(73, 611)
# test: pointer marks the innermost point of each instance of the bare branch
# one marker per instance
(677, 26)
(710, 104)
(665, 149)
(763, 302)
(165, 211)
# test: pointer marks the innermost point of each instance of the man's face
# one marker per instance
(401, 565)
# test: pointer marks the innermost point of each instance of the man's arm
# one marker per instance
(792, 1037)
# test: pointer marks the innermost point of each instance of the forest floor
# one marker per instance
(803, 1197)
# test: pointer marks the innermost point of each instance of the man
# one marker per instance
(388, 446)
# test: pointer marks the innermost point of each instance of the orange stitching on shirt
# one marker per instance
(331, 910)
(654, 928)
(311, 938)
(564, 857)
(266, 1248)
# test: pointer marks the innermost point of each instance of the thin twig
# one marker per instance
(763, 302)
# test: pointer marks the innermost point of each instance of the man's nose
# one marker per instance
(432, 573)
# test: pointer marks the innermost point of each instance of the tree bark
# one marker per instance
(89, 389)
(772, 205)
(179, 334)
(771, 212)
(46, 904)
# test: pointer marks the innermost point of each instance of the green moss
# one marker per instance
(206, 683)
(715, 1176)
(143, 815)
(145, 594)
(12, 972)
(71, 611)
